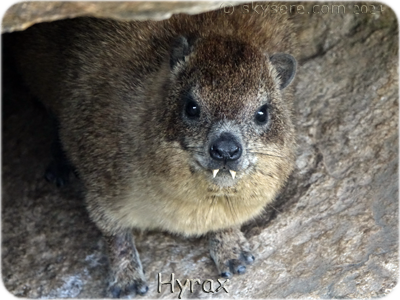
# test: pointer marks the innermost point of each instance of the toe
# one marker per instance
(142, 289)
(241, 269)
(247, 257)
(115, 291)
(226, 274)
(236, 266)
(49, 176)
(129, 292)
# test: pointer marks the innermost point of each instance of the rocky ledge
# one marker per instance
(333, 232)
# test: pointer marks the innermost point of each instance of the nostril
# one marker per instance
(234, 152)
(217, 153)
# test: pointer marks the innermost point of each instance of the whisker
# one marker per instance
(252, 152)
(196, 151)
(199, 153)
(181, 148)
(274, 208)
(262, 149)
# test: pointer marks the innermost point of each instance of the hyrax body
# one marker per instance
(182, 125)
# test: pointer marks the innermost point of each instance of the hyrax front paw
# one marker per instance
(230, 251)
(127, 278)
(59, 169)
(126, 283)
(58, 173)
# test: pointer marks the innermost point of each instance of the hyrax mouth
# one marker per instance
(215, 172)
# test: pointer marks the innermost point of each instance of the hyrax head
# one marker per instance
(226, 108)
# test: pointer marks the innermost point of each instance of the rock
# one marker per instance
(333, 232)
(24, 14)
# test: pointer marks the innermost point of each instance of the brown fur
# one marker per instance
(110, 85)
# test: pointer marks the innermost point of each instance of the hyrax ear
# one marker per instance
(180, 48)
(285, 64)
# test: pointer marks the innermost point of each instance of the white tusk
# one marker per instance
(215, 172)
(233, 173)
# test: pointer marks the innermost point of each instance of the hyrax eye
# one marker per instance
(192, 109)
(262, 115)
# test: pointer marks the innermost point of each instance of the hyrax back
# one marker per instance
(183, 125)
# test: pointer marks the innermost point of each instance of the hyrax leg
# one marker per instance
(230, 251)
(127, 278)
(60, 168)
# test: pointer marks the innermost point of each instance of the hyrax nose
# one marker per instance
(225, 148)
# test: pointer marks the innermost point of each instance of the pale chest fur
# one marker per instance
(187, 218)
(192, 207)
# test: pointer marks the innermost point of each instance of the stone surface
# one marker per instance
(24, 14)
(333, 233)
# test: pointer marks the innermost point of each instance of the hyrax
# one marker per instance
(182, 125)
